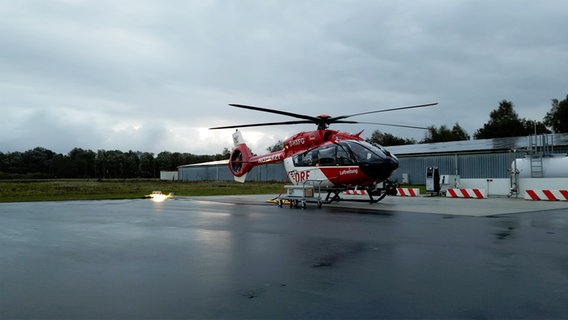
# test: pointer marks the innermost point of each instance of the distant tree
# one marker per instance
(178, 159)
(83, 162)
(557, 117)
(164, 161)
(224, 155)
(115, 164)
(276, 147)
(459, 133)
(100, 164)
(505, 122)
(63, 167)
(131, 165)
(147, 168)
(37, 160)
(444, 134)
(14, 163)
(170, 161)
(3, 162)
(387, 139)
(532, 127)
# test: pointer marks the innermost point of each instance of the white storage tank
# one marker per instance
(552, 167)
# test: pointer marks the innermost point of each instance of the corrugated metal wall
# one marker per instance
(266, 172)
(467, 166)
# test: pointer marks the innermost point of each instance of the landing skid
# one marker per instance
(300, 196)
(374, 196)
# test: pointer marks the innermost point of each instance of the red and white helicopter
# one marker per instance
(337, 161)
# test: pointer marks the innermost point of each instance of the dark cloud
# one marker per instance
(152, 76)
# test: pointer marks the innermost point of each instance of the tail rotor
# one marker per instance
(239, 162)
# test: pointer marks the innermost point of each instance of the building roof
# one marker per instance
(482, 145)
(203, 164)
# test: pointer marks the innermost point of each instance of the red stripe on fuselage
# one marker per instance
(346, 175)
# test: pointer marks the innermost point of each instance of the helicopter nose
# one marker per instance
(393, 163)
(381, 170)
(390, 164)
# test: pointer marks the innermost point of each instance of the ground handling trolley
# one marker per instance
(297, 196)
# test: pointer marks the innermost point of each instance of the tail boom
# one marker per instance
(242, 161)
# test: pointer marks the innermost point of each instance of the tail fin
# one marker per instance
(239, 162)
(238, 138)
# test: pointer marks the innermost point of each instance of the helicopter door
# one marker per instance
(327, 156)
(344, 157)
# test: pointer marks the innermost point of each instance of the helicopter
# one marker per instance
(338, 161)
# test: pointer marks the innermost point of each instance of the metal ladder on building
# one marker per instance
(536, 166)
(537, 151)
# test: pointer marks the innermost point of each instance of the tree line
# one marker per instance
(503, 122)
(42, 163)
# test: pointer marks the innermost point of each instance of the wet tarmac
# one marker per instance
(239, 257)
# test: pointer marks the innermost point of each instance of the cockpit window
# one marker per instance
(306, 159)
(362, 151)
(343, 153)
(344, 157)
(326, 156)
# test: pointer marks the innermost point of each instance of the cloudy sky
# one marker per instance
(154, 75)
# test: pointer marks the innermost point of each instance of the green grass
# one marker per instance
(83, 189)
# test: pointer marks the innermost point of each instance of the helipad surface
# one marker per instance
(239, 257)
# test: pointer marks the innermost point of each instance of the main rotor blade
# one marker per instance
(393, 125)
(321, 122)
(284, 113)
(262, 124)
(383, 110)
(346, 121)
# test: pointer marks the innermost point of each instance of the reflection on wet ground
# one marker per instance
(205, 259)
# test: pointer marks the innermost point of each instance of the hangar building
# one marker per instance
(219, 171)
(471, 159)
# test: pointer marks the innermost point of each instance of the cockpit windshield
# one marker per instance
(343, 153)
(363, 152)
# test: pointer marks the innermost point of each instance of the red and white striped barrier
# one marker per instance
(548, 195)
(466, 193)
(355, 192)
(408, 192)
